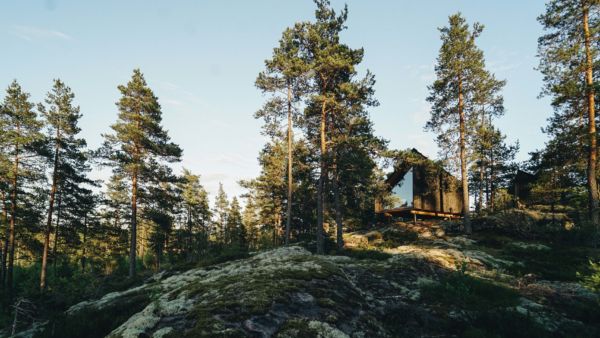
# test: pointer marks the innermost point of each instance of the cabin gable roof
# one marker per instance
(401, 169)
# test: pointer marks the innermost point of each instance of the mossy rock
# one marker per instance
(93, 322)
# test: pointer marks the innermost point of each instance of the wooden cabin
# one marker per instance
(521, 185)
(419, 186)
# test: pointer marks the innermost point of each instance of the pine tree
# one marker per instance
(495, 165)
(75, 197)
(269, 188)
(115, 204)
(84, 222)
(4, 196)
(332, 67)
(61, 119)
(501, 164)
(138, 140)
(267, 192)
(20, 134)
(285, 78)
(568, 57)
(488, 104)
(32, 208)
(117, 200)
(235, 226)
(353, 145)
(456, 94)
(558, 178)
(305, 187)
(355, 150)
(160, 201)
(251, 221)
(196, 210)
(220, 211)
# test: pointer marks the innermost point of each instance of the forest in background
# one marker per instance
(66, 237)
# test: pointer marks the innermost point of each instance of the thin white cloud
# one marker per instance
(235, 159)
(423, 142)
(503, 66)
(173, 102)
(421, 115)
(220, 124)
(214, 177)
(184, 96)
(424, 73)
(504, 61)
(168, 85)
(31, 33)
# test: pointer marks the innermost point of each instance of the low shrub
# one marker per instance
(467, 292)
(591, 280)
(373, 254)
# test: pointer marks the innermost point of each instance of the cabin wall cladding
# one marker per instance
(432, 189)
(425, 194)
(435, 191)
(452, 202)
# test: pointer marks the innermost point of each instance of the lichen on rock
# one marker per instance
(399, 285)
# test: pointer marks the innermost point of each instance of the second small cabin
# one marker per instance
(419, 186)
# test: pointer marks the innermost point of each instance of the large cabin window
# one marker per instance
(402, 193)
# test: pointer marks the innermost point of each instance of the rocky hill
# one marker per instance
(403, 280)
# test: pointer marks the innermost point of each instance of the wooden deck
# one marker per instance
(421, 212)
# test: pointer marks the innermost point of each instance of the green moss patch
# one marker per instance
(224, 303)
(373, 254)
(469, 293)
(551, 262)
(91, 322)
(560, 263)
(308, 329)
(500, 323)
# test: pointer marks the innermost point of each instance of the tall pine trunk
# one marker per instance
(278, 220)
(481, 166)
(143, 241)
(321, 185)
(83, 253)
(338, 209)
(13, 218)
(190, 235)
(481, 178)
(5, 244)
(492, 186)
(593, 149)
(463, 159)
(487, 188)
(133, 242)
(288, 223)
(50, 211)
(56, 227)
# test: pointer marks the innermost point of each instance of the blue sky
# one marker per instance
(201, 58)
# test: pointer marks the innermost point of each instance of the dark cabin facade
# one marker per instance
(521, 185)
(418, 186)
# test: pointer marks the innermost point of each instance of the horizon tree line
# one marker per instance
(45, 166)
